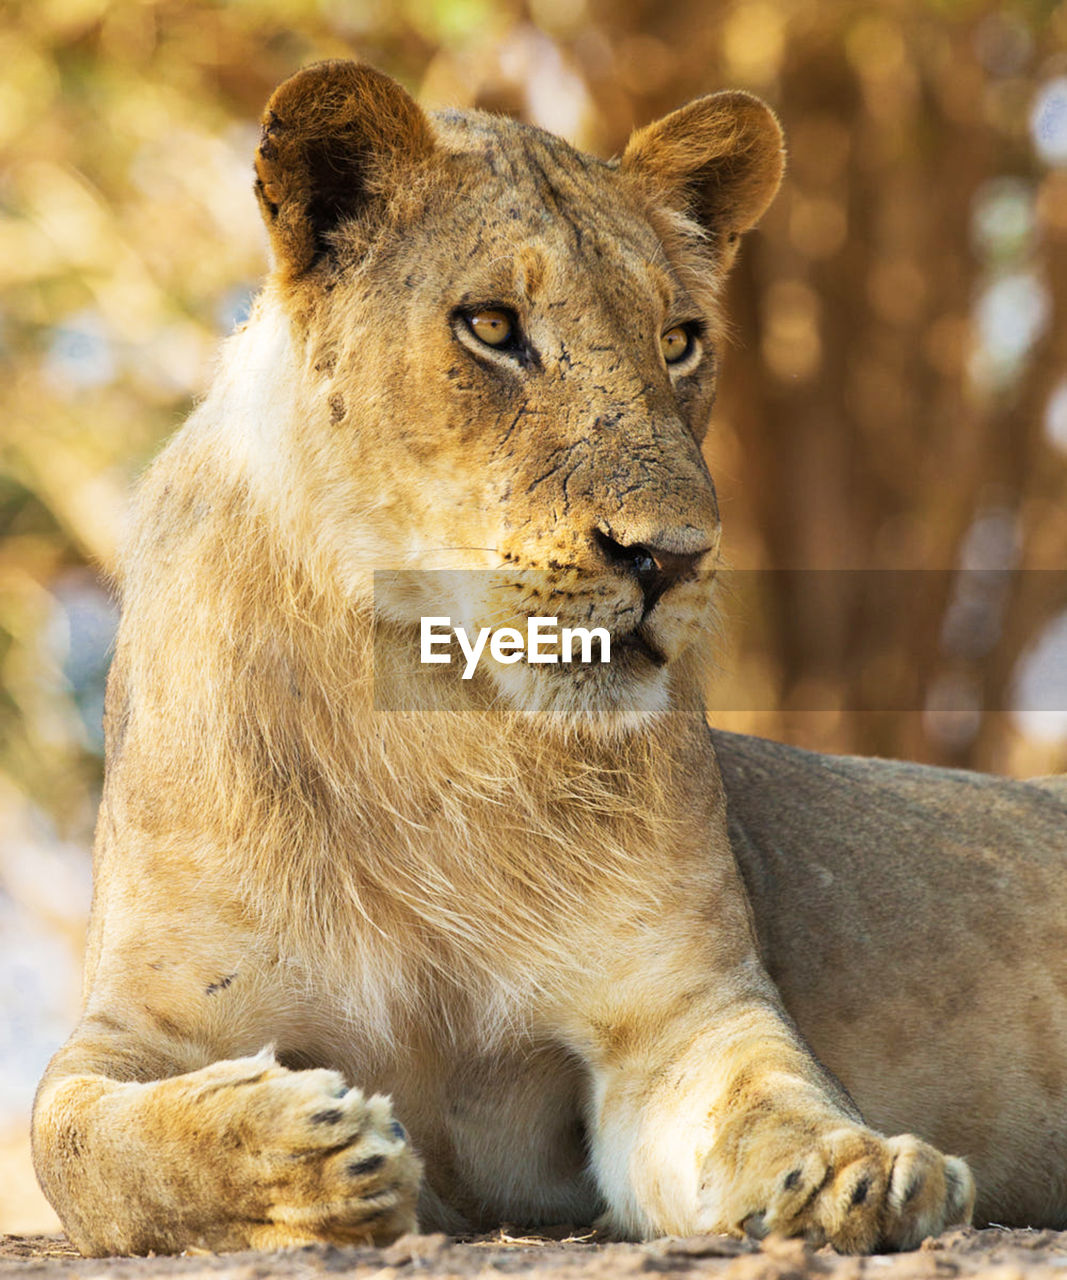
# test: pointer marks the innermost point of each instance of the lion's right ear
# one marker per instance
(334, 135)
(719, 160)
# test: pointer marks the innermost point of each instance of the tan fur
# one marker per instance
(510, 903)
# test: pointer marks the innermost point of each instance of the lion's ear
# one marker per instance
(719, 159)
(334, 135)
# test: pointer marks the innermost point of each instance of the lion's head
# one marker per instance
(510, 350)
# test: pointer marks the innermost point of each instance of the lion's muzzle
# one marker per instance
(656, 568)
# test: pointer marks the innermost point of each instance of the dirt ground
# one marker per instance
(993, 1254)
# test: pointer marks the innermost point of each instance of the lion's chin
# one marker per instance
(608, 700)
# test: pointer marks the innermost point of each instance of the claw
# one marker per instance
(755, 1226)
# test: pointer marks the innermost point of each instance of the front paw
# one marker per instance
(857, 1191)
(320, 1161)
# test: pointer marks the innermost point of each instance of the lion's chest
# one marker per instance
(502, 1137)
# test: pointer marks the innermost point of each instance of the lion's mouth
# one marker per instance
(638, 643)
(624, 647)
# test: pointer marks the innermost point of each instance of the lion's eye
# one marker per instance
(676, 344)
(494, 328)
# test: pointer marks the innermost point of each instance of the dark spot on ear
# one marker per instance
(269, 205)
(398, 1131)
(792, 1180)
(213, 988)
(360, 1167)
(859, 1192)
(333, 1116)
(337, 407)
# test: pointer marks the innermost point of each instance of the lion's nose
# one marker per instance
(656, 568)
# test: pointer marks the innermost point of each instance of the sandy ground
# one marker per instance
(34, 1248)
(992, 1254)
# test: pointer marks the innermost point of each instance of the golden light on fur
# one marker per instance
(510, 904)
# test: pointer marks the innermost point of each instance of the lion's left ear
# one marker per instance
(719, 159)
(335, 137)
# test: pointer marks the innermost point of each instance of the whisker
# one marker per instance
(494, 550)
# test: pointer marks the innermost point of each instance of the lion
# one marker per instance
(375, 946)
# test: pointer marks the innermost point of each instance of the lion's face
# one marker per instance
(515, 350)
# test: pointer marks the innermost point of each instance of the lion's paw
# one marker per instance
(858, 1191)
(322, 1161)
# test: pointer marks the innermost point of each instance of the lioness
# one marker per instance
(608, 966)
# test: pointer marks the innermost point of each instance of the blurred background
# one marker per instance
(890, 442)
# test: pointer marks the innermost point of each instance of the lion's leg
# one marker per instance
(154, 1130)
(727, 1123)
(239, 1154)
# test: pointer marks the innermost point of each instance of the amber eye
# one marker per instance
(494, 328)
(676, 344)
